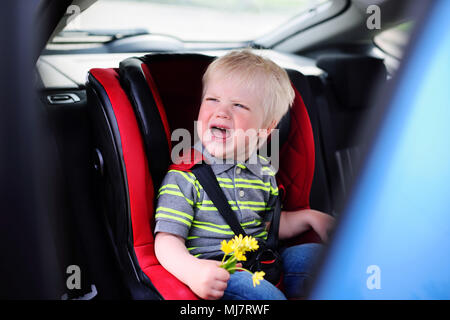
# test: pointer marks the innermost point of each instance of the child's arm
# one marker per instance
(204, 277)
(293, 223)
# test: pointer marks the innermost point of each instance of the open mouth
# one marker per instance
(220, 132)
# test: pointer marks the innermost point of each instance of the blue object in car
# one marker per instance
(393, 241)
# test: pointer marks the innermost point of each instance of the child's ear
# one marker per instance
(272, 126)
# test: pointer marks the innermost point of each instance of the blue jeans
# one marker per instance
(298, 266)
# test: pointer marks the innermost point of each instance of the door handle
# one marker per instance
(62, 98)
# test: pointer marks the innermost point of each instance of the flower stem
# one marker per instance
(227, 263)
(242, 269)
(223, 259)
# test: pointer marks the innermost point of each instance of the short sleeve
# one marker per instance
(175, 203)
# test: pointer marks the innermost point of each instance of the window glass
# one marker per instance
(191, 20)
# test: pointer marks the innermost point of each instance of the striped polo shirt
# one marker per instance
(184, 208)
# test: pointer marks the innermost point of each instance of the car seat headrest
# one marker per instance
(352, 77)
(178, 79)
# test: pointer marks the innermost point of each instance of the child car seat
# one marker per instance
(134, 110)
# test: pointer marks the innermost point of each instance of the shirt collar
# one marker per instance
(254, 163)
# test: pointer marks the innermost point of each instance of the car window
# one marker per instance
(394, 40)
(190, 20)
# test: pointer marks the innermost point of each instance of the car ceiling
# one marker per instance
(348, 27)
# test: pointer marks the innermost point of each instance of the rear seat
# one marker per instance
(343, 97)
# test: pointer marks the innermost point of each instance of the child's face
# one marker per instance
(230, 119)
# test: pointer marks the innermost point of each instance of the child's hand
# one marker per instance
(210, 280)
(322, 223)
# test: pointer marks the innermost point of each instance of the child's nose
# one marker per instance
(223, 111)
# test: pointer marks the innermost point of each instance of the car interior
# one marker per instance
(112, 106)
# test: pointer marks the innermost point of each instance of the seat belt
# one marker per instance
(208, 180)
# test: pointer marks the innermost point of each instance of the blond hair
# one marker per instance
(256, 73)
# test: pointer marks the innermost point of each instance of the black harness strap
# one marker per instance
(208, 180)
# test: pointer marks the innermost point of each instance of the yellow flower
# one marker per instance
(244, 244)
(257, 276)
(240, 255)
(226, 247)
(238, 246)
(251, 243)
(237, 243)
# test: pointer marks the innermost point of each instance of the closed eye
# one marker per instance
(241, 106)
(211, 99)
